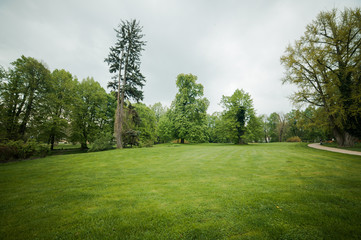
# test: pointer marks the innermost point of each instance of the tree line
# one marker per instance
(39, 105)
(55, 106)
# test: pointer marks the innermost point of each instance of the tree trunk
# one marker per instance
(182, 140)
(265, 138)
(26, 118)
(117, 127)
(52, 140)
(119, 111)
(343, 139)
(84, 145)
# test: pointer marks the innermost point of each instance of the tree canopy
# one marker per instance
(189, 110)
(237, 114)
(325, 64)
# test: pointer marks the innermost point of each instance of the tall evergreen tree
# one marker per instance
(124, 57)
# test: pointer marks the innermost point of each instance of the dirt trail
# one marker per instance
(318, 146)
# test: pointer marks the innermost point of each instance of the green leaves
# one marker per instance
(237, 114)
(125, 56)
(325, 64)
(188, 112)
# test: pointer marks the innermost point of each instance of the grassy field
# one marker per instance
(207, 191)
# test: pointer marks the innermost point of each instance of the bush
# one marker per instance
(294, 139)
(13, 150)
(146, 143)
(103, 142)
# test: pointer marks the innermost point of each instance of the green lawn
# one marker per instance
(357, 146)
(207, 191)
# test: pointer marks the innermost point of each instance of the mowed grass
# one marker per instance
(206, 191)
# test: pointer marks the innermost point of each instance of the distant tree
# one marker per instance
(159, 111)
(266, 130)
(307, 124)
(237, 114)
(165, 128)
(254, 131)
(272, 123)
(188, 112)
(282, 125)
(23, 91)
(125, 56)
(147, 126)
(58, 101)
(325, 64)
(89, 111)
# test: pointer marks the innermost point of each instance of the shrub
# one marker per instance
(294, 139)
(103, 142)
(146, 143)
(13, 150)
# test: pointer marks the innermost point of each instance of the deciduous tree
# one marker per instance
(325, 64)
(189, 110)
(237, 114)
(23, 93)
(88, 111)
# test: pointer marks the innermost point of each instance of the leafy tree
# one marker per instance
(325, 64)
(57, 110)
(165, 128)
(23, 92)
(265, 128)
(237, 114)
(272, 127)
(159, 111)
(89, 111)
(306, 122)
(125, 56)
(147, 127)
(282, 125)
(189, 110)
(254, 128)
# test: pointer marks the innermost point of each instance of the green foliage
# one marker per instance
(23, 97)
(103, 141)
(13, 150)
(188, 112)
(238, 111)
(59, 99)
(147, 126)
(89, 114)
(254, 131)
(325, 66)
(125, 55)
(165, 129)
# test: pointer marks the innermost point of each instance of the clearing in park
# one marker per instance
(204, 191)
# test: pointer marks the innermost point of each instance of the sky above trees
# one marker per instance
(226, 44)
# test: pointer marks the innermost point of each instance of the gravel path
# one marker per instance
(318, 146)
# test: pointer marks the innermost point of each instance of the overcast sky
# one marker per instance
(226, 44)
